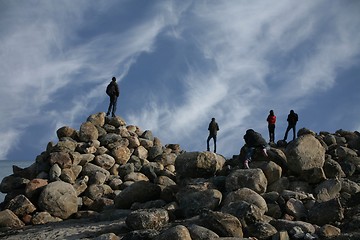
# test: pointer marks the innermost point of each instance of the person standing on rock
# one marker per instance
(112, 90)
(213, 128)
(292, 120)
(271, 119)
(253, 141)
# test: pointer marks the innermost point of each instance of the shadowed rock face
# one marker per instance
(114, 172)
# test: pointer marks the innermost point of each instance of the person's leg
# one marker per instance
(207, 142)
(114, 100)
(214, 137)
(110, 107)
(248, 157)
(272, 133)
(286, 133)
(294, 132)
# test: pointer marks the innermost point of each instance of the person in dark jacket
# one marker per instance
(271, 119)
(113, 91)
(292, 120)
(213, 128)
(253, 141)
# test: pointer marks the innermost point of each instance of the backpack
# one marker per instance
(110, 89)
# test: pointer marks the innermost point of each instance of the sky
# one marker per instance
(178, 64)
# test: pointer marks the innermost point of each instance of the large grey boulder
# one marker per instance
(223, 224)
(201, 233)
(179, 232)
(154, 218)
(10, 220)
(193, 201)
(261, 230)
(271, 170)
(141, 191)
(97, 119)
(326, 212)
(59, 199)
(198, 164)
(88, 132)
(254, 179)
(304, 154)
(327, 190)
(247, 195)
(247, 213)
(287, 225)
(21, 205)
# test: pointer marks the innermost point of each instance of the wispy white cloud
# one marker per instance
(243, 57)
(242, 39)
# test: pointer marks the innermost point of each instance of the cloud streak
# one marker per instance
(231, 60)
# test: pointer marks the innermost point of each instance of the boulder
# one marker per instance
(9, 220)
(115, 121)
(141, 191)
(247, 178)
(121, 154)
(104, 161)
(147, 219)
(198, 164)
(12, 182)
(319, 214)
(333, 169)
(97, 119)
(247, 195)
(305, 153)
(296, 208)
(193, 201)
(247, 213)
(223, 224)
(327, 190)
(261, 230)
(44, 218)
(34, 188)
(201, 233)
(271, 170)
(62, 159)
(179, 232)
(59, 199)
(66, 131)
(329, 231)
(21, 206)
(88, 132)
(287, 225)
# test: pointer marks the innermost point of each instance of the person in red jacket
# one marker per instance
(271, 119)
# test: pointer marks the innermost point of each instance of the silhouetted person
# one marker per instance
(292, 120)
(253, 140)
(213, 128)
(113, 91)
(271, 119)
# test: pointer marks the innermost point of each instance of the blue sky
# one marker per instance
(178, 64)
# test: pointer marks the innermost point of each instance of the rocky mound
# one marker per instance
(109, 171)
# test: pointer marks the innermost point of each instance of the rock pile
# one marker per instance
(306, 189)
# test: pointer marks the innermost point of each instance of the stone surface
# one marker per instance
(59, 199)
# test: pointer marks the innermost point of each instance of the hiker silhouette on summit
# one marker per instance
(271, 119)
(213, 128)
(254, 141)
(292, 120)
(112, 90)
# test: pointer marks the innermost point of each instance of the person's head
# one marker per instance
(249, 131)
(292, 111)
(213, 119)
(113, 79)
(271, 112)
